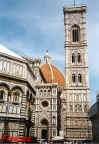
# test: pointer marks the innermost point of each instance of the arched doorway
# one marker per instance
(44, 129)
(44, 134)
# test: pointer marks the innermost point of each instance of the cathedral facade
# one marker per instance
(37, 100)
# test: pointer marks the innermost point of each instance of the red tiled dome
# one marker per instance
(52, 75)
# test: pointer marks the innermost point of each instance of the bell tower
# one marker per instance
(77, 126)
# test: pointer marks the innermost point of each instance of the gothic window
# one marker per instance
(73, 78)
(71, 108)
(41, 92)
(75, 33)
(9, 96)
(79, 78)
(2, 94)
(79, 58)
(80, 108)
(76, 108)
(85, 108)
(73, 58)
(48, 92)
(16, 95)
(45, 92)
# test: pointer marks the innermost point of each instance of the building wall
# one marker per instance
(15, 101)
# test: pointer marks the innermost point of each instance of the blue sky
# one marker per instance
(29, 27)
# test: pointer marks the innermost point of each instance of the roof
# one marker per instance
(6, 51)
(51, 74)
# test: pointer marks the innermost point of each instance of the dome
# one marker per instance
(52, 75)
(6, 51)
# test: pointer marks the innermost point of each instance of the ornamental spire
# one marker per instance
(47, 58)
(46, 52)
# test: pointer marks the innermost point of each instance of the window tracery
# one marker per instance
(73, 78)
(75, 33)
(76, 108)
(3, 92)
(80, 108)
(79, 78)
(79, 57)
(85, 108)
(73, 58)
(71, 108)
(16, 95)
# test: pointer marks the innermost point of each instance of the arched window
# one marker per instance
(45, 93)
(79, 58)
(75, 33)
(73, 78)
(73, 58)
(2, 94)
(16, 96)
(80, 108)
(85, 108)
(76, 108)
(41, 92)
(71, 108)
(9, 96)
(79, 78)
